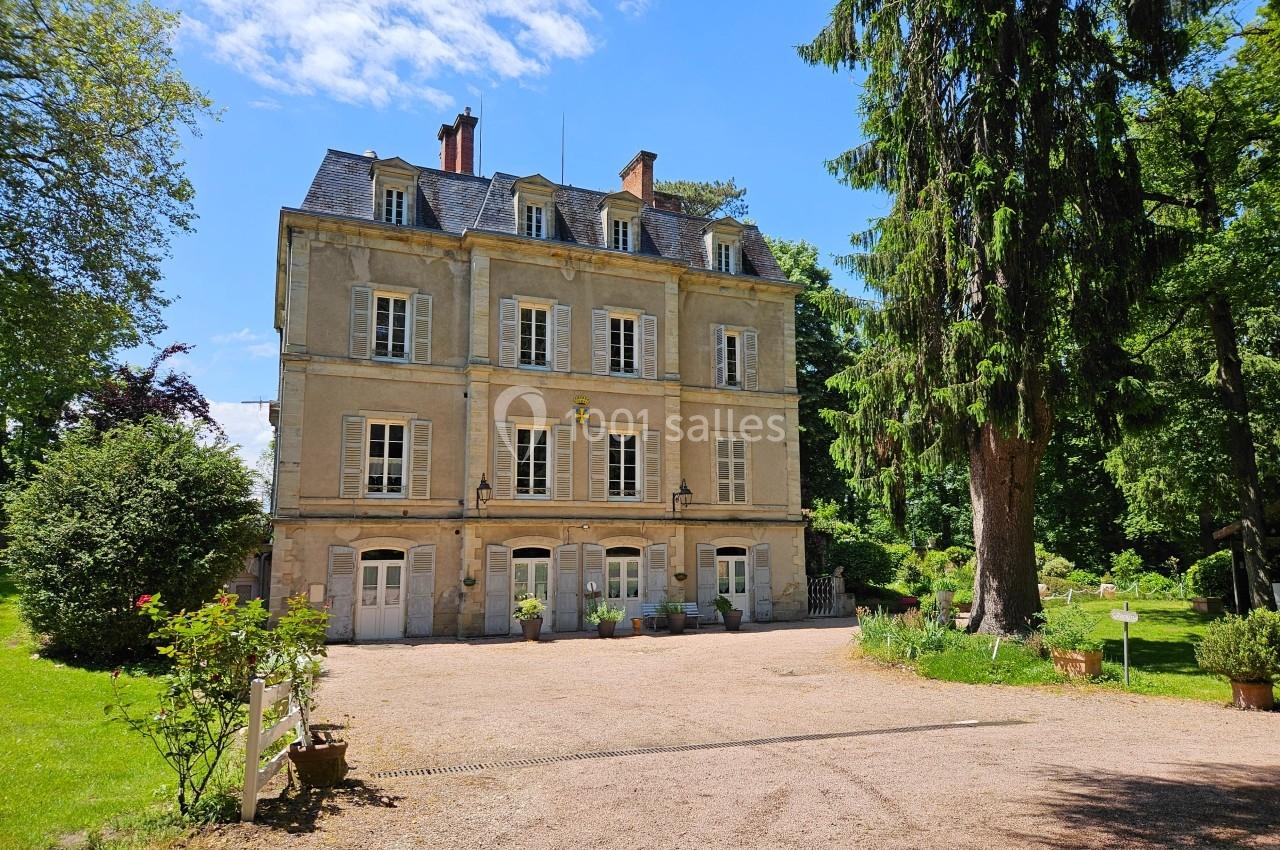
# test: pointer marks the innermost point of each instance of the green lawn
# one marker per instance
(67, 768)
(1161, 655)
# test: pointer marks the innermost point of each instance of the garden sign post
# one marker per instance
(1125, 616)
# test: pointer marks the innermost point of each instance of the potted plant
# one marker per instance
(944, 591)
(1246, 652)
(605, 618)
(732, 616)
(1068, 633)
(963, 600)
(674, 612)
(323, 764)
(528, 611)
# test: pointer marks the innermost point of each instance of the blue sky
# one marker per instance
(715, 89)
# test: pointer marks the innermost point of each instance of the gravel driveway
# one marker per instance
(856, 757)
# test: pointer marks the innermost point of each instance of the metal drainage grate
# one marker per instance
(681, 748)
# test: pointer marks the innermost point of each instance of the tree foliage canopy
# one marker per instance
(143, 509)
(707, 198)
(131, 394)
(91, 190)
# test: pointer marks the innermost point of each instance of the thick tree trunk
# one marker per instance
(1244, 462)
(1207, 527)
(1002, 484)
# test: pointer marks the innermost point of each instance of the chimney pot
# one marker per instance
(457, 144)
(637, 177)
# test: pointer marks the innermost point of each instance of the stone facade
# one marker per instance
(455, 398)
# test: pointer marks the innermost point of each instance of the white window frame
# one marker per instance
(733, 363)
(636, 448)
(521, 462)
(620, 234)
(395, 206)
(634, 319)
(386, 424)
(533, 221)
(407, 341)
(548, 342)
(725, 259)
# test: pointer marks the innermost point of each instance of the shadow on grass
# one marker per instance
(299, 810)
(1171, 646)
(1200, 805)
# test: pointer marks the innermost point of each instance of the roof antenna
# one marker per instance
(480, 141)
(562, 147)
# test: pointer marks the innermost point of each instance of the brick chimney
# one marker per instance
(637, 177)
(457, 144)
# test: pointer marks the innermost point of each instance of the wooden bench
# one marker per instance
(651, 613)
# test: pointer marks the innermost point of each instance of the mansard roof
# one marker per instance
(455, 203)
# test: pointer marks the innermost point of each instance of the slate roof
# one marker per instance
(455, 203)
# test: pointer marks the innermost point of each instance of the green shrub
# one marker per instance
(1050, 565)
(935, 563)
(958, 556)
(864, 562)
(1125, 567)
(1154, 583)
(1083, 578)
(529, 607)
(945, 584)
(1057, 586)
(1070, 628)
(604, 613)
(964, 596)
(1211, 576)
(148, 508)
(1244, 649)
(905, 636)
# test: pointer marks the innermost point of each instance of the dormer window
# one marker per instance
(621, 235)
(535, 207)
(394, 185)
(723, 242)
(724, 257)
(393, 206)
(533, 221)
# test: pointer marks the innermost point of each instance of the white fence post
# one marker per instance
(256, 741)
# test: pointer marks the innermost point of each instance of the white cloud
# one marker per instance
(245, 425)
(249, 342)
(384, 51)
(634, 8)
(267, 103)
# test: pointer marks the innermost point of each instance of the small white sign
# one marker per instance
(1124, 616)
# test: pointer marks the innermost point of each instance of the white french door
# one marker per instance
(733, 581)
(381, 611)
(533, 576)
(624, 585)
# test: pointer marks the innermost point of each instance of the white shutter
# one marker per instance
(648, 346)
(598, 466)
(599, 342)
(739, 449)
(504, 461)
(652, 464)
(567, 587)
(351, 473)
(593, 568)
(421, 328)
(420, 459)
(561, 320)
(361, 317)
(706, 558)
(340, 591)
(655, 569)
(718, 347)
(498, 603)
(750, 361)
(420, 599)
(724, 471)
(508, 332)
(563, 461)
(762, 583)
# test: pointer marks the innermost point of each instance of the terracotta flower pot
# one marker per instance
(964, 607)
(605, 628)
(637, 624)
(1077, 663)
(1253, 696)
(732, 620)
(675, 623)
(1207, 605)
(532, 628)
(323, 765)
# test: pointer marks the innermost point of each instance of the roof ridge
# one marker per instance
(484, 204)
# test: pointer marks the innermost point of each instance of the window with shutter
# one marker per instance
(504, 460)
(421, 328)
(352, 461)
(623, 484)
(564, 462)
(649, 347)
(390, 326)
(599, 342)
(385, 465)
(361, 315)
(561, 318)
(652, 466)
(508, 331)
(420, 459)
(731, 470)
(531, 463)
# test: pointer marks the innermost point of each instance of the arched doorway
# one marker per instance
(531, 573)
(733, 577)
(624, 580)
(380, 612)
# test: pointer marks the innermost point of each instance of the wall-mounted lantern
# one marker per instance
(682, 497)
(483, 493)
